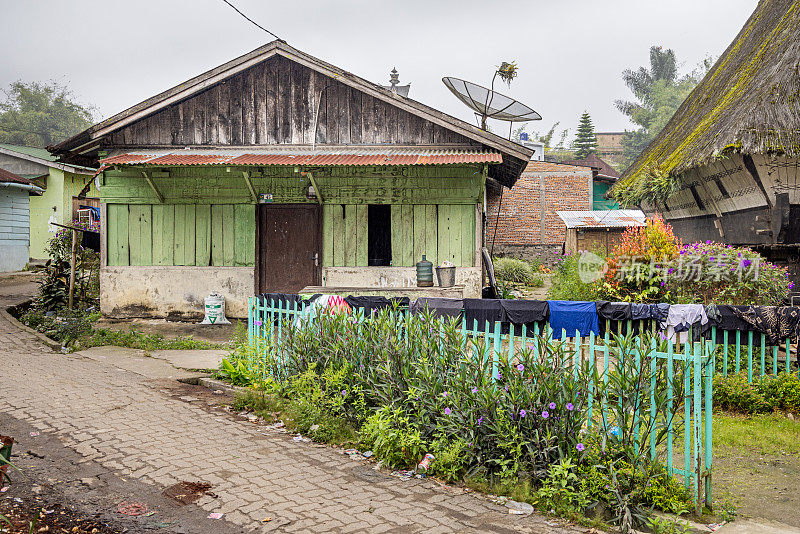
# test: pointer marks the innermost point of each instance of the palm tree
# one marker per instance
(663, 66)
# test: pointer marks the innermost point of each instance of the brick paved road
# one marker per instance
(129, 423)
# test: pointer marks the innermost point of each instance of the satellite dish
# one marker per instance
(489, 104)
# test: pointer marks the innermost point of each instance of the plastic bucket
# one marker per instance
(446, 276)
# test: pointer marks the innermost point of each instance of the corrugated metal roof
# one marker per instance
(300, 156)
(602, 218)
(9, 177)
(536, 166)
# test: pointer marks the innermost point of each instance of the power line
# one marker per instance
(251, 20)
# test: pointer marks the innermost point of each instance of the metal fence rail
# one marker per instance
(694, 363)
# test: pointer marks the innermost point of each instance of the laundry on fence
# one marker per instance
(776, 323)
(573, 316)
(439, 307)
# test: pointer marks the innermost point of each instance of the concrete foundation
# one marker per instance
(397, 278)
(173, 292)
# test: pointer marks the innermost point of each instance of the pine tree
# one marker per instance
(585, 140)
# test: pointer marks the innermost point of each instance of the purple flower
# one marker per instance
(344, 393)
(523, 413)
(499, 375)
(580, 447)
(506, 389)
(570, 407)
(480, 420)
(552, 405)
(746, 263)
(791, 285)
(444, 394)
(257, 323)
(470, 445)
(474, 390)
(520, 368)
(545, 415)
(447, 411)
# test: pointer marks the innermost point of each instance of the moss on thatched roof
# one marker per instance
(749, 102)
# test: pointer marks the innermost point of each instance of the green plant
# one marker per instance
(764, 394)
(237, 373)
(513, 270)
(664, 525)
(567, 283)
(451, 457)
(561, 489)
(393, 438)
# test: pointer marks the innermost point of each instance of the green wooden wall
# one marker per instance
(441, 232)
(178, 234)
(208, 214)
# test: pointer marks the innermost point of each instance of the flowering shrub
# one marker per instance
(650, 265)
(711, 272)
(639, 250)
(415, 385)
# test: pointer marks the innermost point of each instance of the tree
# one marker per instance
(660, 92)
(41, 114)
(585, 140)
(546, 138)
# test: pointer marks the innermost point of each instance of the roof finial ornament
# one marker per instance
(394, 78)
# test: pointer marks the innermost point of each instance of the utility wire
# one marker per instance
(254, 22)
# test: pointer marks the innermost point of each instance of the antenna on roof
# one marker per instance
(489, 104)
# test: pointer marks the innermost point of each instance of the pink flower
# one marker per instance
(447, 411)
(552, 405)
(570, 406)
(580, 447)
(523, 413)
(520, 368)
(545, 415)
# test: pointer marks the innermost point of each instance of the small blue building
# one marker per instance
(15, 220)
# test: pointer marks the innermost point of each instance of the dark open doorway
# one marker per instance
(379, 238)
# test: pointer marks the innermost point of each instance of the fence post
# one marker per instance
(749, 356)
(593, 374)
(725, 353)
(671, 429)
(653, 373)
(250, 317)
(698, 373)
(709, 419)
(687, 414)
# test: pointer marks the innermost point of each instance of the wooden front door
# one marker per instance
(288, 255)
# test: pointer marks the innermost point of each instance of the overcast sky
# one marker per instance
(570, 53)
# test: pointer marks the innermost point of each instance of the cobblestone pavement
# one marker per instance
(131, 424)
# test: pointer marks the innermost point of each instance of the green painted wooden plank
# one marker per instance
(444, 216)
(431, 234)
(163, 234)
(140, 234)
(339, 212)
(407, 235)
(327, 235)
(180, 236)
(362, 236)
(217, 235)
(118, 248)
(455, 234)
(350, 235)
(203, 235)
(395, 223)
(189, 234)
(420, 245)
(467, 236)
(244, 233)
(228, 239)
(217, 254)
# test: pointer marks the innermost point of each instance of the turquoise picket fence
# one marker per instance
(687, 450)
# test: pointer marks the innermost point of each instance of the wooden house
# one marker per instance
(15, 192)
(65, 188)
(726, 167)
(277, 172)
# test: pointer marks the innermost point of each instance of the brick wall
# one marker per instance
(566, 187)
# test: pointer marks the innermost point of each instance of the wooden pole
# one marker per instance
(72, 267)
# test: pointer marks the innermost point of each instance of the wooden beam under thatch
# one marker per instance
(748, 103)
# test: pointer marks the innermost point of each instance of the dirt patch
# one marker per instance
(187, 492)
(751, 481)
(55, 477)
(171, 329)
(29, 516)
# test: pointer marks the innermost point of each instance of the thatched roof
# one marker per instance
(749, 102)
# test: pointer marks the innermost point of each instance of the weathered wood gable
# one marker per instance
(274, 103)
